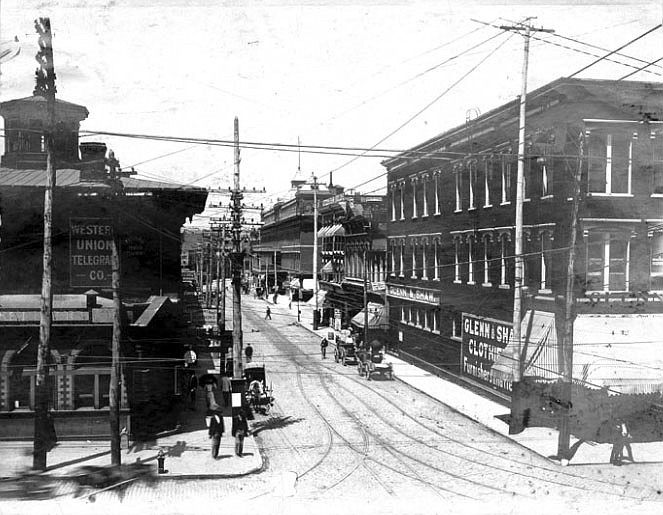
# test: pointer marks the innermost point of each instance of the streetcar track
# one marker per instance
(560, 478)
(436, 469)
(483, 464)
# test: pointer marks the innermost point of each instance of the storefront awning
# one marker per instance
(328, 268)
(376, 317)
(324, 231)
(321, 298)
(295, 284)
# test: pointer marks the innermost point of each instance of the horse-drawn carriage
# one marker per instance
(371, 361)
(257, 395)
(344, 350)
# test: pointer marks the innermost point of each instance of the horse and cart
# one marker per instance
(257, 394)
(370, 361)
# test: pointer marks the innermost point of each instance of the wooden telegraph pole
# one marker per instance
(236, 199)
(566, 349)
(114, 387)
(526, 30)
(45, 87)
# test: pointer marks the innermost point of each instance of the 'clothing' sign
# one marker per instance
(90, 252)
(484, 339)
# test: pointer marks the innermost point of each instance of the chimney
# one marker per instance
(93, 161)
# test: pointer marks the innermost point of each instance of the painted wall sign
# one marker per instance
(90, 251)
(416, 294)
(483, 340)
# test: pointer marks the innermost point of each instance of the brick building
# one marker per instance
(451, 239)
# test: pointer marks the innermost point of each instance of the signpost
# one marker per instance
(90, 252)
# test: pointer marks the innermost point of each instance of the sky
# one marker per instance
(385, 74)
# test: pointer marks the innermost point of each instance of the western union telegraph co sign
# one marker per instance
(90, 252)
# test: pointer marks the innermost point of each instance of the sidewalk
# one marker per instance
(188, 449)
(188, 456)
(542, 441)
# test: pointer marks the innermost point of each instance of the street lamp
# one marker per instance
(314, 187)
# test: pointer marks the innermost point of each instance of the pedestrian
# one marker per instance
(192, 386)
(290, 304)
(268, 314)
(276, 296)
(620, 439)
(240, 430)
(323, 347)
(248, 352)
(226, 390)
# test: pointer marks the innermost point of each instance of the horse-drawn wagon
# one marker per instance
(371, 361)
(257, 395)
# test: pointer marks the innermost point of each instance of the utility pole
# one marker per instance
(201, 276)
(236, 199)
(114, 387)
(314, 187)
(209, 273)
(565, 357)
(527, 29)
(366, 296)
(45, 87)
(275, 276)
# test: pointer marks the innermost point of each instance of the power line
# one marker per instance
(454, 84)
(615, 51)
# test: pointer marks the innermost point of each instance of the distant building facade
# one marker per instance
(353, 258)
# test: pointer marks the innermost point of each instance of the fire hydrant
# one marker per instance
(161, 460)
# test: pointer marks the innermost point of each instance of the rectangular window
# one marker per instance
(486, 262)
(414, 198)
(487, 180)
(607, 261)
(424, 262)
(437, 194)
(402, 202)
(656, 272)
(545, 263)
(436, 265)
(393, 206)
(504, 249)
(436, 321)
(657, 162)
(470, 261)
(546, 178)
(401, 267)
(457, 260)
(425, 198)
(393, 260)
(456, 323)
(414, 261)
(610, 156)
(457, 177)
(472, 183)
(506, 179)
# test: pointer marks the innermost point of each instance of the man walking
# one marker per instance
(323, 347)
(248, 352)
(268, 314)
(240, 429)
